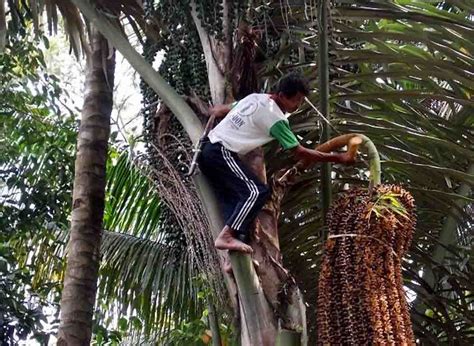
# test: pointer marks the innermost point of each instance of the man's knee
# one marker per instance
(263, 194)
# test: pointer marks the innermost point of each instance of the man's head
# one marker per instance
(291, 92)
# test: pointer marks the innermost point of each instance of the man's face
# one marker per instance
(291, 104)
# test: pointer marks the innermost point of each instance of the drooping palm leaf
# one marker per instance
(147, 279)
(146, 270)
(66, 14)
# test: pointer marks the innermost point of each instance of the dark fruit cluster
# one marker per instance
(361, 298)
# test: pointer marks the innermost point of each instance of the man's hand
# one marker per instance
(219, 111)
(308, 157)
(346, 158)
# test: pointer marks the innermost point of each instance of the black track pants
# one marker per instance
(240, 193)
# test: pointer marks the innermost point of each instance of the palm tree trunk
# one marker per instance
(80, 281)
(282, 313)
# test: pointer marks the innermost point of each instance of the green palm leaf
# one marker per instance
(401, 74)
(146, 270)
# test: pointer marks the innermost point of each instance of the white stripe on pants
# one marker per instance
(250, 202)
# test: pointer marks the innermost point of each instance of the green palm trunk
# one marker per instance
(80, 282)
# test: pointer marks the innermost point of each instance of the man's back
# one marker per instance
(248, 124)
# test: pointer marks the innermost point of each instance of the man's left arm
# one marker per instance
(282, 132)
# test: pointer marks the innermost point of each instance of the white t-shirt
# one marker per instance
(247, 126)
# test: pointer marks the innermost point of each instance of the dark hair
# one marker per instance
(291, 84)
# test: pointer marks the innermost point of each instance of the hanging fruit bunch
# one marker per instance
(361, 298)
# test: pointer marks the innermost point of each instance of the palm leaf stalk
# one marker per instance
(323, 73)
(361, 297)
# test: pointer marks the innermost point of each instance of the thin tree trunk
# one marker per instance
(323, 76)
(3, 27)
(449, 233)
(214, 324)
(216, 53)
(80, 281)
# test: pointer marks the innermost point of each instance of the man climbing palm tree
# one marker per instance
(252, 122)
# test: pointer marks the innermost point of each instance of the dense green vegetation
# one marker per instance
(37, 151)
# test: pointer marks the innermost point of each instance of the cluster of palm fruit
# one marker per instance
(361, 299)
(174, 32)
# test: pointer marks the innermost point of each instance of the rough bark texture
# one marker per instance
(80, 281)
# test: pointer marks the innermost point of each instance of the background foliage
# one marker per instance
(37, 143)
(401, 73)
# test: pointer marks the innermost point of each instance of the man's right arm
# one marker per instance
(220, 111)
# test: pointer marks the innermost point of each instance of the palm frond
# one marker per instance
(150, 280)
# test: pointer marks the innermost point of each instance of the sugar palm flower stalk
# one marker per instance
(361, 298)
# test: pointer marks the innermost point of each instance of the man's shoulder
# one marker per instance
(250, 104)
(259, 103)
(264, 101)
(255, 97)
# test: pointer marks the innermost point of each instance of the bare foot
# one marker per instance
(228, 267)
(226, 241)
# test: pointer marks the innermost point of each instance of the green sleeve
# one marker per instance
(282, 132)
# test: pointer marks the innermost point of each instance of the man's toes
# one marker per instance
(247, 248)
(228, 268)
